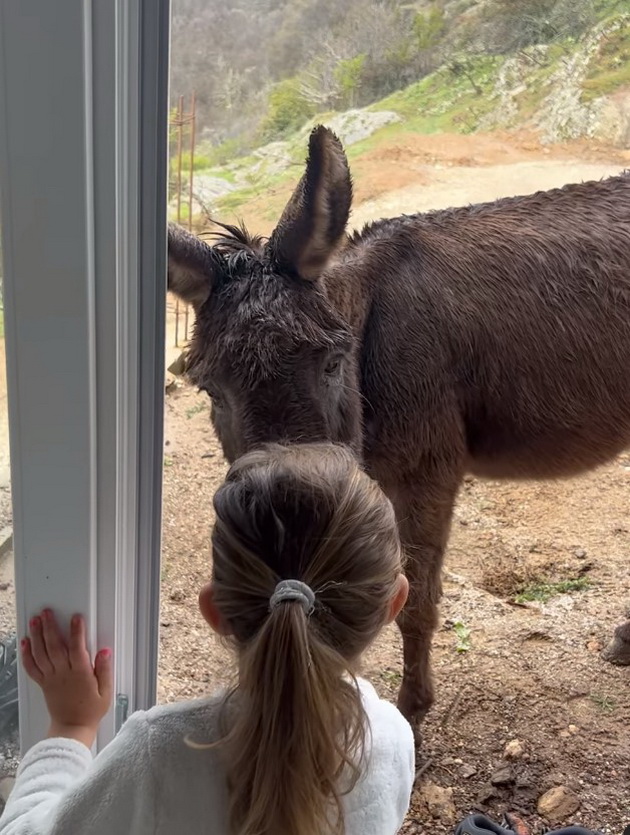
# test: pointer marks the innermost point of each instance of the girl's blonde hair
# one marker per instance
(295, 725)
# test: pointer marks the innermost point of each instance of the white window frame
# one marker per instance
(83, 182)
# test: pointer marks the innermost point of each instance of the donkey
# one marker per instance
(492, 339)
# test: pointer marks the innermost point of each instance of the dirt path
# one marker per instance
(527, 672)
(457, 186)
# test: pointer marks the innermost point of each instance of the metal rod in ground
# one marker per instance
(192, 161)
(180, 127)
(190, 190)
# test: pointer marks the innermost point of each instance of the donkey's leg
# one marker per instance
(618, 650)
(424, 508)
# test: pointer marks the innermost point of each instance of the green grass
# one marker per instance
(391, 677)
(463, 636)
(231, 203)
(610, 68)
(606, 83)
(227, 174)
(444, 91)
(604, 703)
(538, 85)
(442, 102)
(195, 410)
(544, 591)
(605, 9)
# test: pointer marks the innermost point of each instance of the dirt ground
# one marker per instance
(530, 672)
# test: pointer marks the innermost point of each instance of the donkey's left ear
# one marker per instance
(313, 224)
(193, 266)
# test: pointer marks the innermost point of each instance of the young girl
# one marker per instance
(306, 573)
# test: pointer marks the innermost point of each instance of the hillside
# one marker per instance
(260, 68)
(569, 88)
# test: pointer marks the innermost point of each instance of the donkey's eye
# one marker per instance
(332, 367)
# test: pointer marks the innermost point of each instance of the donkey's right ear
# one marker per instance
(192, 266)
(313, 224)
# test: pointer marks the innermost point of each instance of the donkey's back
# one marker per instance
(521, 317)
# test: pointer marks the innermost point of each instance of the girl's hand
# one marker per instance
(78, 695)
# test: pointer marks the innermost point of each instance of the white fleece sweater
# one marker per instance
(147, 781)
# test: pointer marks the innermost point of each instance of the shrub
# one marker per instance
(348, 75)
(429, 28)
(288, 110)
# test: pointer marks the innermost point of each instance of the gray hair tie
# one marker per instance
(293, 591)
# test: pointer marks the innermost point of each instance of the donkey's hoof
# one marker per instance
(417, 736)
(414, 712)
(618, 650)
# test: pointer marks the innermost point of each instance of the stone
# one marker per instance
(514, 750)
(439, 802)
(486, 794)
(580, 553)
(356, 125)
(618, 650)
(6, 786)
(178, 366)
(467, 771)
(502, 776)
(170, 383)
(558, 804)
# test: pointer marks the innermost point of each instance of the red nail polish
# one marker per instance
(106, 653)
(34, 623)
(24, 642)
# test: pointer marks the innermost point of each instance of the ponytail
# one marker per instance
(297, 737)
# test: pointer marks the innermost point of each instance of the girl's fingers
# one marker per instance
(77, 646)
(104, 672)
(55, 644)
(29, 663)
(38, 646)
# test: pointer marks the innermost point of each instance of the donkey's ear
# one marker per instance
(192, 266)
(313, 224)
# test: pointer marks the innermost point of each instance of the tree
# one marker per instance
(513, 25)
(429, 28)
(348, 74)
(288, 109)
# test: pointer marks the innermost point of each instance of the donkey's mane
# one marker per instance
(236, 245)
(230, 239)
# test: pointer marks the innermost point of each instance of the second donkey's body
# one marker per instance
(493, 339)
